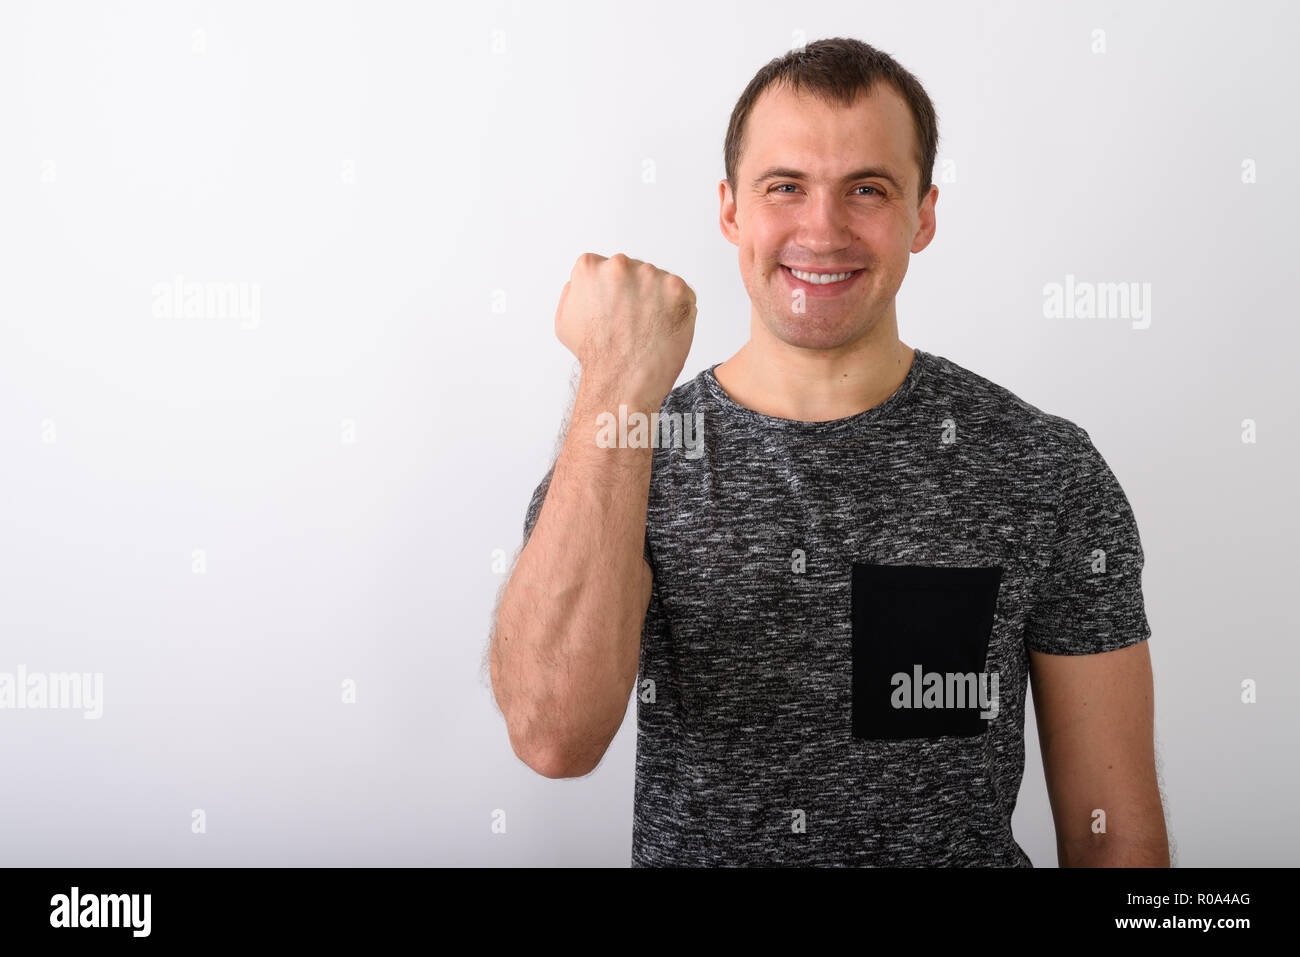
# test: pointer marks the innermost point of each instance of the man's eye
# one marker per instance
(780, 186)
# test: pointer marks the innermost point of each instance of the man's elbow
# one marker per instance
(552, 762)
(1109, 850)
(559, 766)
(548, 753)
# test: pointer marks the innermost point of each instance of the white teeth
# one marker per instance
(821, 279)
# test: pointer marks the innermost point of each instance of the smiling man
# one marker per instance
(831, 612)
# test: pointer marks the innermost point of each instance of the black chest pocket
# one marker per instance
(920, 642)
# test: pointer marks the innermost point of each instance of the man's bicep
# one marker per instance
(1093, 699)
(1095, 717)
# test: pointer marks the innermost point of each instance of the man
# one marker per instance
(835, 596)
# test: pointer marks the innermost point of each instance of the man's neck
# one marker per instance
(787, 382)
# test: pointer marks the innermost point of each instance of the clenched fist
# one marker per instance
(629, 324)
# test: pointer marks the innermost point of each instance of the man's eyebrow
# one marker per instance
(870, 172)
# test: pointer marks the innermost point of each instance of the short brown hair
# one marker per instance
(838, 70)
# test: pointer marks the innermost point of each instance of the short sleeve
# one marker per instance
(535, 509)
(535, 504)
(1090, 598)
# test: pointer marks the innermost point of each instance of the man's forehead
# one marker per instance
(805, 132)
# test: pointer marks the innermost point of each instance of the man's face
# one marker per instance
(801, 201)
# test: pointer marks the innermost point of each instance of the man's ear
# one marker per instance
(727, 213)
(926, 223)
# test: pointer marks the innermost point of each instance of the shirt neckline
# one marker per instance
(921, 362)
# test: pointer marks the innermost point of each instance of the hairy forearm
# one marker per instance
(567, 640)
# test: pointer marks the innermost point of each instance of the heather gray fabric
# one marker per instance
(745, 751)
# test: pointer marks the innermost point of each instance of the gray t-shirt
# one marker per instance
(835, 659)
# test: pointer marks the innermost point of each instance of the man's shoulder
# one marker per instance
(948, 389)
(687, 395)
(986, 403)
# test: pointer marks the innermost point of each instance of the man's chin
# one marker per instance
(804, 333)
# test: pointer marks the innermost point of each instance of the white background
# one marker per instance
(386, 173)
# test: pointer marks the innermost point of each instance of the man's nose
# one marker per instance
(824, 223)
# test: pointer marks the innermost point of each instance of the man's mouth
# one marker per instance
(821, 277)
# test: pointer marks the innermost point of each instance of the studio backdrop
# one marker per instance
(278, 375)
